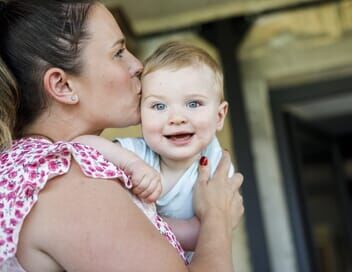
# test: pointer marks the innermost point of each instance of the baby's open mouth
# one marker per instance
(178, 137)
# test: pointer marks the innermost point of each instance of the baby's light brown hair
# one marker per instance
(177, 55)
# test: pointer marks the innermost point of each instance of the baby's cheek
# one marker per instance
(153, 142)
(206, 124)
(151, 133)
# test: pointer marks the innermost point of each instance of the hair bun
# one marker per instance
(2, 6)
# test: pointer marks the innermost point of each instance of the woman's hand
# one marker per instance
(219, 196)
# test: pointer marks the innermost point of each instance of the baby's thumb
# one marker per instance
(203, 170)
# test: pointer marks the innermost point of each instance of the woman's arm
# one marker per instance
(89, 224)
(219, 205)
(86, 224)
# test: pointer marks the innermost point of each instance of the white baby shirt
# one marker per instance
(177, 203)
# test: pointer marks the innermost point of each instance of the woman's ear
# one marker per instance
(57, 86)
(222, 112)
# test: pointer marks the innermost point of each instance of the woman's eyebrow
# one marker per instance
(119, 41)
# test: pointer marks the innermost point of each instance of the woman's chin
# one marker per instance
(137, 121)
(129, 123)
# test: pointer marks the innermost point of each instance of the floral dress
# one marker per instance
(25, 169)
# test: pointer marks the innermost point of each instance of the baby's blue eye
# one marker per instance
(159, 106)
(193, 104)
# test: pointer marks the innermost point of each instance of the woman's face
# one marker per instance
(109, 87)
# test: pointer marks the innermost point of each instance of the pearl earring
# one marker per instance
(74, 98)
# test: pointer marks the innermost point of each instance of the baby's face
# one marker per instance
(181, 111)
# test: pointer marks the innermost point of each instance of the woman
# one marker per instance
(72, 75)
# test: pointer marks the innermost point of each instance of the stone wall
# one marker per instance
(285, 49)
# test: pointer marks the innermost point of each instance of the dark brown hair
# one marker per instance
(35, 36)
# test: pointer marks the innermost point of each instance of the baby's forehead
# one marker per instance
(186, 72)
(201, 71)
(175, 67)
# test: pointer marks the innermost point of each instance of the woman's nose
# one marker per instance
(135, 67)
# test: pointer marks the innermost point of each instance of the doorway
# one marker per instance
(313, 125)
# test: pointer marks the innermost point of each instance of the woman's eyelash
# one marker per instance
(119, 53)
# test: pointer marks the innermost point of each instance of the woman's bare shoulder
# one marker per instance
(92, 225)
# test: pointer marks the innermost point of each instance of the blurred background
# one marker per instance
(288, 78)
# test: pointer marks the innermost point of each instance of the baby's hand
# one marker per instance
(146, 181)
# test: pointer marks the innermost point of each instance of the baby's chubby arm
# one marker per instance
(146, 181)
(146, 184)
(186, 231)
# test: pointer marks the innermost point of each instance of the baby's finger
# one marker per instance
(153, 185)
(154, 195)
(142, 185)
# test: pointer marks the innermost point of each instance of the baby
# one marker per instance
(182, 107)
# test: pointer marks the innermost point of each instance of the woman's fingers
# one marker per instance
(236, 181)
(223, 167)
(203, 170)
(237, 195)
(238, 208)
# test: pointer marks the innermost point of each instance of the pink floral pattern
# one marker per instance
(25, 170)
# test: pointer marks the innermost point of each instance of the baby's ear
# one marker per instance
(222, 111)
(56, 85)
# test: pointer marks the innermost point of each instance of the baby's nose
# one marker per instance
(177, 120)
